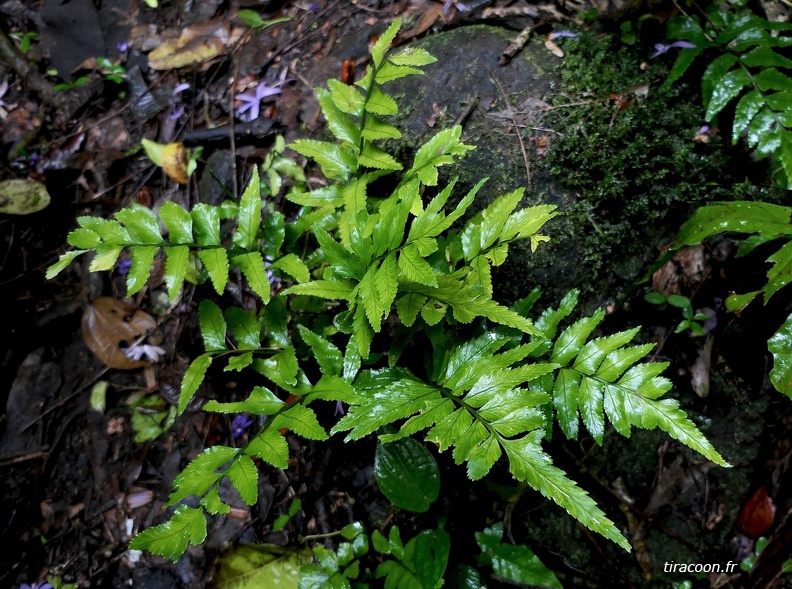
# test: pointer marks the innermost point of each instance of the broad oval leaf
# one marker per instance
(780, 346)
(407, 474)
(23, 197)
(250, 566)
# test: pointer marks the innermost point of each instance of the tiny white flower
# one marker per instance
(140, 351)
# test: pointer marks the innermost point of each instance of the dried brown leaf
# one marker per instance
(108, 324)
(195, 44)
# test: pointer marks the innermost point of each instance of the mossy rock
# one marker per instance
(624, 170)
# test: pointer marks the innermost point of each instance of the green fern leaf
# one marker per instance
(494, 217)
(206, 224)
(374, 157)
(591, 404)
(249, 216)
(391, 71)
(384, 42)
(252, 266)
(201, 474)
(746, 110)
(216, 262)
(178, 222)
(243, 474)
(105, 257)
(666, 415)
(412, 56)
(336, 162)
(141, 224)
(212, 503)
(565, 400)
(346, 98)
(142, 258)
(415, 268)
(379, 103)
(591, 355)
(327, 355)
(261, 401)
(294, 266)
(83, 239)
(370, 296)
(387, 395)
(530, 464)
(345, 263)
(245, 327)
(725, 89)
(170, 539)
(302, 421)
(193, 378)
(375, 128)
(111, 232)
(64, 261)
(176, 269)
(339, 124)
(482, 458)
(714, 73)
(271, 447)
(408, 307)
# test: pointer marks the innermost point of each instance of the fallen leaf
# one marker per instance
(23, 197)
(757, 514)
(264, 565)
(195, 44)
(108, 325)
(555, 49)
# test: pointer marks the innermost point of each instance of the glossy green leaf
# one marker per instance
(216, 262)
(384, 42)
(407, 474)
(63, 263)
(516, 563)
(213, 326)
(206, 224)
(346, 98)
(244, 476)
(327, 355)
(178, 222)
(252, 566)
(725, 89)
(339, 124)
(430, 557)
(170, 539)
(245, 327)
(780, 346)
(141, 223)
(294, 266)
(193, 377)
(326, 289)
(139, 272)
(252, 266)
(249, 216)
(302, 421)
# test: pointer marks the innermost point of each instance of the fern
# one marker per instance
(763, 222)
(751, 66)
(349, 262)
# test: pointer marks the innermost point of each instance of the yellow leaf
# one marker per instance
(195, 44)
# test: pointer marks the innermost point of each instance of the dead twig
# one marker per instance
(516, 128)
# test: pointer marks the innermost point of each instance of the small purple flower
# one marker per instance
(177, 111)
(563, 35)
(703, 129)
(123, 266)
(251, 103)
(41, 585)
(339, 410)
(123, 46)
(661, 48)
(140, 351)
(240, 424)
(273, 280)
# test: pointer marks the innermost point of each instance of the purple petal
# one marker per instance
(180, 88)
(703, 129)
(264, 91)
(176, 113)
(564, 35)
(660, 48)
(339, 409)
(123, 46)
(683, 45)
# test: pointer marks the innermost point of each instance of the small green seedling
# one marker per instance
(690, 319)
